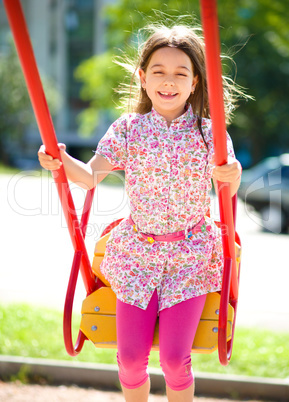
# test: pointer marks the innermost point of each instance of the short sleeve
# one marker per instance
(113, 145)
(208, 134)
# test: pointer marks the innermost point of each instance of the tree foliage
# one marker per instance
(254, 32)
(16, 113)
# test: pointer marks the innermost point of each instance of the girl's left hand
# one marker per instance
(229, 173)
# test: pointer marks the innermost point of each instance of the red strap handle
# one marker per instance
(25, 52)
(77, 230)
(216, 101)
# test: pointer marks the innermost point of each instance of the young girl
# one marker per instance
(165, 258)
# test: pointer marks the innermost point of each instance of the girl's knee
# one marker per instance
(171, 363)
(177, 370)
(131, 360)
(132, 369)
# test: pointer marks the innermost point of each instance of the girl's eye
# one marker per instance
(182, 75)
(157, 72)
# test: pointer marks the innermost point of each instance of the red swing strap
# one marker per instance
(215, 89)
(76, 229)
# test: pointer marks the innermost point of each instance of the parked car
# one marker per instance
(266, 188)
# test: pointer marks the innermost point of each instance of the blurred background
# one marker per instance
(75, 42)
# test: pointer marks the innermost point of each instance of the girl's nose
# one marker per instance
(169, 81)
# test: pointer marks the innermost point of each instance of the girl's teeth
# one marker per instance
(166, 93)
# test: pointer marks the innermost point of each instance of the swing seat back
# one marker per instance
(98, 321)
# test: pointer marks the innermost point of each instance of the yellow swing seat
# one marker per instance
(98, 322)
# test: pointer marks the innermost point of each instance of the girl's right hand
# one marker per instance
(47, 161)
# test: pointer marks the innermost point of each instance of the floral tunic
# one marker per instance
(168, 180)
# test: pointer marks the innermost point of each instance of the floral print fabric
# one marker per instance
(168, 180)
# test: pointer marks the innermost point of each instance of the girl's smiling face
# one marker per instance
(169, 80)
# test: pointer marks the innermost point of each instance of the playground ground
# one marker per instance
(16, 392)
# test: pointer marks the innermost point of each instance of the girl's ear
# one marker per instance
(195, 81)
(142, 76)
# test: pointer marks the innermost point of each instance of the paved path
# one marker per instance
(36, 252)
(11, 392)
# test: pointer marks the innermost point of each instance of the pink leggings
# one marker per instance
(177, 328)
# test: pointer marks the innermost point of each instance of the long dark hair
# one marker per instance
(190, 41)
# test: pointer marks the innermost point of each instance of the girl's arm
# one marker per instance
(86, 175)
(229, 173)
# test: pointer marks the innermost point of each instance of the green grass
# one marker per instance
(37, 332)
(4, 169)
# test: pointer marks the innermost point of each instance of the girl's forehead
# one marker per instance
(170, 56)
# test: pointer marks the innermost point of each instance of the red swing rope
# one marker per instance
(216, 101)
(46, 128)
(76, 229)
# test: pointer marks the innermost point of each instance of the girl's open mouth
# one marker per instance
(167, 95)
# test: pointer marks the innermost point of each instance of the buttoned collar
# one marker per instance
(182, 122)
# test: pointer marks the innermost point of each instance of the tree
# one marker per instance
(255, 32)
(16, 113)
